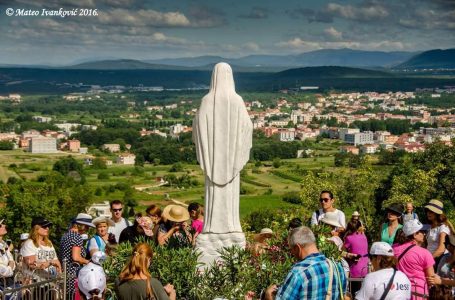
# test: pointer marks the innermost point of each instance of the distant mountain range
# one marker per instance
(327, 57)
(433, 59)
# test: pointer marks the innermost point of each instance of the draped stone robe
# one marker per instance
(222, 132)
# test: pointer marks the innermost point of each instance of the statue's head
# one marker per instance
(222, 78)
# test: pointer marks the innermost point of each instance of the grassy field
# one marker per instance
(263, 188)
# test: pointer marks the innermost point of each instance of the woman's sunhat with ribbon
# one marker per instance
(84, 219)
(435, 206)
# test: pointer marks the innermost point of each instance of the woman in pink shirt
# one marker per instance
(356, 243)
(414, 261)
(197, 216)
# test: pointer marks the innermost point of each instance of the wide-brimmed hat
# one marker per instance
(106, 220)
(331, 218)
(411, 227)
(84, 219)
(176, 213)
(41, 222)
(396, 208)
(264, 233)
(435, 206)
(356, 214)
(381, 248)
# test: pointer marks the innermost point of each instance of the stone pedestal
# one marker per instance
(209, 244)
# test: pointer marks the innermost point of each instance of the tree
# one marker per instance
(56, 197)
(65, 165)
(99, 163)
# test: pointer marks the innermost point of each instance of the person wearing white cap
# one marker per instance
(101, 239)
(415, 261)
(440, 228)
(92, 279)
(72, 249)
(385, 282)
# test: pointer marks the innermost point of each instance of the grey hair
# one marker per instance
(301, 235)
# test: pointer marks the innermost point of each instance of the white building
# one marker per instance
(42, 145)
(287, 135)
(369, 148)
(360, 138)
(343, 131)
(100, 209)
(67, 127)
(176, 129)
(41, 119)
(126, 159)
(111, 147)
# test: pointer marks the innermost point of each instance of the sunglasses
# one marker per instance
(324, 200)
(117, 209)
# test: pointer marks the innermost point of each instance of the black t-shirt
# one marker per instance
(130, 234)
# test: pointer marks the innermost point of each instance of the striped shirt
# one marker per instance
(309, 279)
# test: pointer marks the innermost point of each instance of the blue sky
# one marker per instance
(140, 29)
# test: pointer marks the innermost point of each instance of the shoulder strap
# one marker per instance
(389, 285)
(328, 296)
(404, 252)
(317, 216)
(126, 222)
(98, 242)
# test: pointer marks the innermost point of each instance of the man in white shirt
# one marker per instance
(120, 223)
(326, 202)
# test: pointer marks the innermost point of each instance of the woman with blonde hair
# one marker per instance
(38, 253)
(135, 281)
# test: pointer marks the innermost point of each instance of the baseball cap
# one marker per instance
(381, 248)
(92, 280)
(41, 222)
(411, 227)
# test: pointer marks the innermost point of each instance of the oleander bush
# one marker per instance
(238, 272)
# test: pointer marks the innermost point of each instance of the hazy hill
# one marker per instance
(120, 64)
(433, 59)
(331, 72)
(326, 57)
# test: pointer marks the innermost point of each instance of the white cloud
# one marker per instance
(362, 13)
(299, 45)
(251, 46)
(333, 33)
(142, 17)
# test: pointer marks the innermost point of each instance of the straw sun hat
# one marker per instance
(175, 213)
(435, 206)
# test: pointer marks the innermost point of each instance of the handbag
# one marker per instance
(441, 292)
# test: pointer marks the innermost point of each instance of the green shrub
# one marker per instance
(292, 197)
(103, 176)
(287, 175)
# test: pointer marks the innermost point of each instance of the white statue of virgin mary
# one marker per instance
(222, 132)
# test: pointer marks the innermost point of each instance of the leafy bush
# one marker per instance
(292, 197)
(103, 176)
(287, 175)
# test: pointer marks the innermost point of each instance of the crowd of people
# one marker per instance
(408, 260)
(83, 255)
